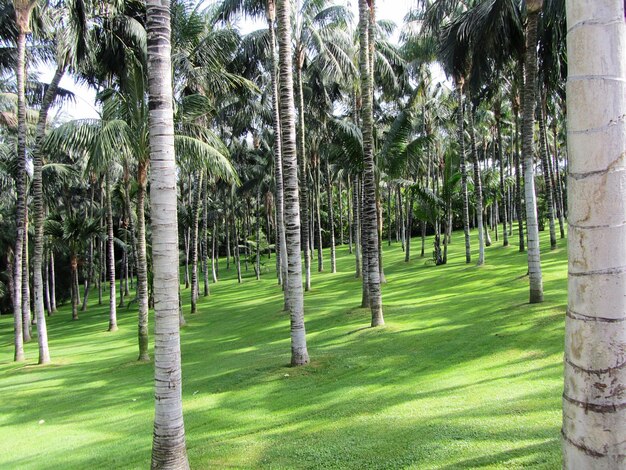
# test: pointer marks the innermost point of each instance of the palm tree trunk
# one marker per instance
(22, 14)
(236, 241)
(464, 195)
(304, 197)
(477, 189)
(168, 439)
(318, 217)
(518, 189)
(213, 251)
(281, 248)
(46, 283)
(340, 201)
(528, 116)
(74, 290)
(503, 193)
(370, 212)
(227, 231)
(409, 226)
(111, 256)
(400, 219)
(545, 168)
(350, 212)
(257, 261)
(356, 227)
(594, 413)
(53, 291)
(26, 316)
(293, 292)
(195, 225)
(205, 235)
(559, 189)
(331, 220)
(142, 263)
(187, 236)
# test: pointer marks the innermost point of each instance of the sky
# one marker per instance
(83, 106)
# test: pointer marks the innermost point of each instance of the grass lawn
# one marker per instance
(465, 374)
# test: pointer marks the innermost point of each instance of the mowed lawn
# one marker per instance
(465, 374)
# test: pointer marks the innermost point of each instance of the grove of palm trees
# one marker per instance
(298, 234)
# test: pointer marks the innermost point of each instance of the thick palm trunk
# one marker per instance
(111, 256)
(195, 225)
(38, 219)
(142, 264)
(293, 292)
(304, 195)
(370, 213)
(528, 125)
(331, 220)
(168, 439)
(594, 405)
(463, 169)
(478, 193)
(545, 168)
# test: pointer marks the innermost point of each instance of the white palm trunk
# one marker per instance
(168, 443)
(295, 302)
(594, 398)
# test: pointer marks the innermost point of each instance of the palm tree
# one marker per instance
(593, 400)
(370, 212)
(168, 443)
(295, 299)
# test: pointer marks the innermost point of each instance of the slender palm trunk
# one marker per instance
(528, 115)
(594, 408)
(257, 261)
(302, 161)
(22, 13)
(195, 225)
(518, 190)
(318, 217)
(409, 227)
(38, 219)
(168, 439)
(26, 315)
(545, 168)
(350, 212)
(142, 263)
(558, 188)
(464, 195)
(356, 227)
(293, 292)
(53, 290)
(370, 213)
(205, 235)
(503, 193)
(331, 220)
(340, 202)
(111, 256)
(477, 189)
(281, 248)
(187, 236)
(74, 289)
(214, 251)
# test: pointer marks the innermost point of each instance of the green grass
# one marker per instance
(465, 374)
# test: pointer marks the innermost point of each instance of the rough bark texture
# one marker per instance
(356, 226)
(370, 213)
(168, 443)
(295, 303)
(594, 397)
(528, 126)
